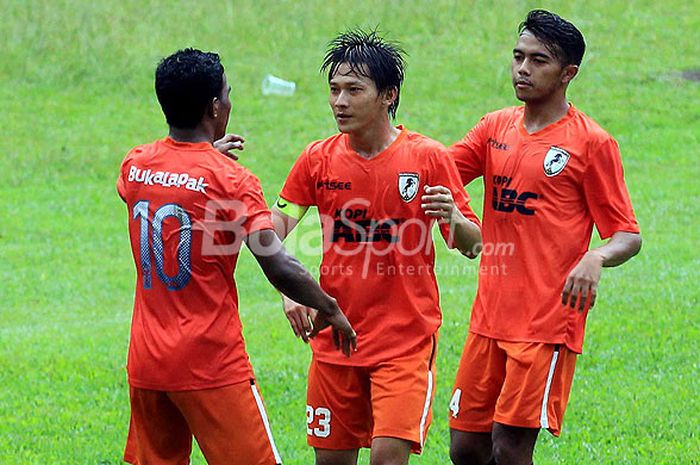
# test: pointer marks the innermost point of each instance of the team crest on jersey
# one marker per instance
(408, 186)
(555, 161)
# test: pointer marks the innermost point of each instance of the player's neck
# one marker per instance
(194, 135)
(371, 142)
(541, 113)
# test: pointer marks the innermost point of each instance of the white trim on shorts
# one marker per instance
(544, 420)
(266, 422)
(426, 408)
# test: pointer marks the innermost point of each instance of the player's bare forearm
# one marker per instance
(621, 247)
(466, 235)
(287, 274)
(582, 283)
(290, 277)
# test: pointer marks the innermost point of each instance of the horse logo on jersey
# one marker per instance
(555, 161)
(408, 186)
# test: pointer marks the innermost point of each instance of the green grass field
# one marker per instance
(76, 93)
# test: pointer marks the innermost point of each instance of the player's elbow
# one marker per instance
(627, 245)
(632, 243)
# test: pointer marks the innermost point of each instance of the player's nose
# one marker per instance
(523, 68)
(341, 99)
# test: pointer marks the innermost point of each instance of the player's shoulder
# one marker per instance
(421, 141)
(426, 149)
(142, 151)
(505, 115)
(588, 129)
(229, 170)
(325, 147)
(495, 120)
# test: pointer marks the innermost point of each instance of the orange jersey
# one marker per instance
(189, 208)
(543, 193)
(378, 256)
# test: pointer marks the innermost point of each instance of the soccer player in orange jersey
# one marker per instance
(189, 211)
(379, 189)
(550, 174)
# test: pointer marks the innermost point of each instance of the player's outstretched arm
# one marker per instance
(582, 283)
(438, 202)
(290, 277)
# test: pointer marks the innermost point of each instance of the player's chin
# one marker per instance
(348, 124)
(344, 128)
(521, 95)
(527, 94)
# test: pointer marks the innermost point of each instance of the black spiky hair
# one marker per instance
(368, 54)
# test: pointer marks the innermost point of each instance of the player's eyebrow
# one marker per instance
(351, 82)
(533, 54)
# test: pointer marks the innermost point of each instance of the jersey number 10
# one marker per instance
(184, 248)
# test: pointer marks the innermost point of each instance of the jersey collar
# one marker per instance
(550, 127)
(384, 153)
(172, 143)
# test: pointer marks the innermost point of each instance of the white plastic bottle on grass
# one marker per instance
(272, 85)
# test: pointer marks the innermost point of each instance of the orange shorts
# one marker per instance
(348, 406)
(229, 423)
(522, 384)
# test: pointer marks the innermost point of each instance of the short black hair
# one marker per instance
(371, 56)
(186, 82)
(560, 36)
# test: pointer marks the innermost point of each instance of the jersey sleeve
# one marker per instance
(606, 192)
(299, 188)
(122, 179)
(445, 174)
(469, 153)
(257, 214)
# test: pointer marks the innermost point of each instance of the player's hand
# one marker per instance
(344, 336)
(438, 202)
(229, 142)
(582, 283)
(300, 318)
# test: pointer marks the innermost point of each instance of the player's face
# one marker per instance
(223, 109)
(537, 73)
(355, 101)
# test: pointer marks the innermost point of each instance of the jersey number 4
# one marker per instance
(184, 248)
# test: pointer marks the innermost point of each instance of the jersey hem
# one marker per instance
(571, 347)
(189, 387)
(347, 361)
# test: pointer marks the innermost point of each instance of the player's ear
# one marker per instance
(214, 108)
(568, 73)
(390, 95)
